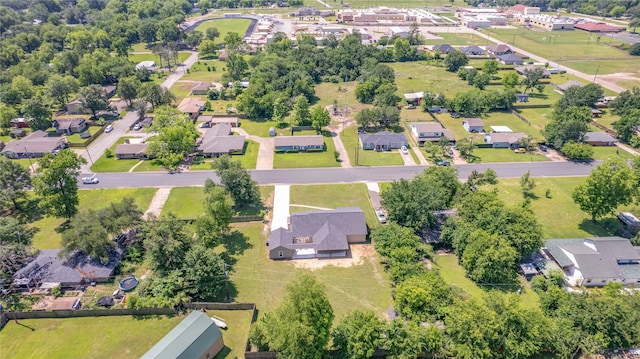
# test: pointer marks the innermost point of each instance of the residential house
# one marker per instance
(497, 50)
(522, 97)
(76, 107)
(510, 59)
(599, 139)
(68, 126)
(504, 139)
(109, 91)
(472, 50)
(596, 261)
(595, 112)
(35, 144)
(17, 133)
(218, 140)
(146, 65)
(414, 98)
(191, 106)
(126, 151)
(568, 84)
(196, 336)
(320, 234)
(430, 132)
(382, 141)
(521, 70)
(298, 143)
(78, 269)
(233, 121)
(21, 122)
(475, 125)
(201, 88)
(443, 48)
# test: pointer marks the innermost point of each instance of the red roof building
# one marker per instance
(597, 27)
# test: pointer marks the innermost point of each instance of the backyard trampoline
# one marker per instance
(128, 283)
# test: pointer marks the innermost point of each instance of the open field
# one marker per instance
(308, 159)
(100, 337)
(455, 275)
(559, 216)
(333, 196)
(49, 233)
(256, 278)
(457, 39)
(605, 152)
(200, 71)
(570, 46)
(187, 202)
(342, 93)
(418, 76)
(367, 158)
(225, 26)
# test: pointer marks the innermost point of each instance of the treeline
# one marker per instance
(614, 9)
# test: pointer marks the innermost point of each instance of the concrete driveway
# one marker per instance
(265, 151)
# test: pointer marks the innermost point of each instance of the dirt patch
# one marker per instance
(357, 256)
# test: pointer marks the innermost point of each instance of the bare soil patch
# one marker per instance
(357, 255)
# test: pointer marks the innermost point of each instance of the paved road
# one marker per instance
(338, 175)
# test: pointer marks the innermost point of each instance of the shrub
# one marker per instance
(578, 151)
(108, 153)
(56, 291)
(635, 50)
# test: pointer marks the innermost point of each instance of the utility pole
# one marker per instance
(596, 75)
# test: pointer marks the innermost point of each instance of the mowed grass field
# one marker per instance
(308, 159)
(188, 202)
(49, 233)
(351, 143)
(418, 76)
(225, 26)
(91, 337)
(575, 49)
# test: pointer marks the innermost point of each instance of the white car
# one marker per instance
(90, 180)
(381, 215)
(404, 150)
(108, 129)
(137, 127)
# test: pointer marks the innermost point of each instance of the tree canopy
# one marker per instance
(56, 182)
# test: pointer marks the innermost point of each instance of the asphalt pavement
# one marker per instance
(338, 175)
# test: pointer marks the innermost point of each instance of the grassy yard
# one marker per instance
(342, 93)
(457, 39)
(255, 278)
(225, 26)
(574, 49)
(260, 127)
(182, 55)
(333, 196)
(248, 159)
(308, 159)
(418, 76)
(112, 164)
(75, 138)
(49, 233)
(187, 202)
(489, 155)
(455, 275)
(399, 3)
(100, 337)
(237, 333)
(491, 119)
(605, 152)
(367, 158)
(199, 71)
(149, 165)
(559, 216)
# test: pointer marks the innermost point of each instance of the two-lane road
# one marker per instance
(338, 175)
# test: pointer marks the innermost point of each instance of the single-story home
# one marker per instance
(132, 151)
(414, 98)
(599, 139)
(472, 50)
(443, 48)
(568, 84)
(78, 269)
(510, 59)
(521, 70)
(382, 141)
(196, 336)
(218, 140)
(298, 143)
(191, 106)
(522, 97)
(596, 261)
(68, 126)
(146, 65)
(475, 125)
(75, 107)
(320, 234)
(201, 88)
(21, 122)
(430, 132)
(35, 144)
(504, 139)
(233, 121)
(17, 133)
(497, 50)
(109, 91)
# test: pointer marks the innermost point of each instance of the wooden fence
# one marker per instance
(521, 117)
(90, 139)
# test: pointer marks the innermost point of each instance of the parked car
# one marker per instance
(381, 215)
(137, 127)
(90, 180)
(410, 107)
(404, 150)
(520, 150)
(543, 148)
(443, 163)
(454, 115)
(108, 129)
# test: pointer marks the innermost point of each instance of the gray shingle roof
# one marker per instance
(444, 48)
(510, 58)
(36, 142)
(472, 50)
(508, 137)
(570, 83)
(383, 137)
(499, 48)
(475, 122)
(131, 148)
(298, 141)
(598, 137)
(222, 144)
(321, 230)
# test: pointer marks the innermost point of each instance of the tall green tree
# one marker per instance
(358, 335)
(236, 66)
(533, 79)
(128, 88)
(87, 235)
(177, 136)
(320, 117)
(237, 181)
(167, 241)
(212, 33)
(407, 340)
(472, 328)
(491, 67)
(60, 88)
(627, 125)
(300, 113)
(510, 80)
(37, 109)
(566, 126)
(14, 181)
(489, 259)
(13, 232)
(203, 273)
(609, 186)
(580, 96)
(232, 41)
(211, 227)
(93, 98)
(455, 60)
(424, 297)
(7, 113)
(56, 183)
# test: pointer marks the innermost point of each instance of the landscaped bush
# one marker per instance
(315, 149)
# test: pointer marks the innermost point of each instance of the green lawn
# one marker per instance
(113, 164)
(308, 159)
(607, 118)
(260, 127)
(418, 76)
(491, 119)
(237, 333)
(26, 162)
(559, 216)
(136, 58)
(256, 278)
(199, 72)
(149, 165)
(248, 159)
(49, 233)
(605, 152)
(489, 155)
(75, 138)
(225, 26)
(455, 275)
(182, 89)
(458, 39)
(399, 3)
(574, 49)
(342, 93)
(333, 196)
(187, 202)
(367, 158)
